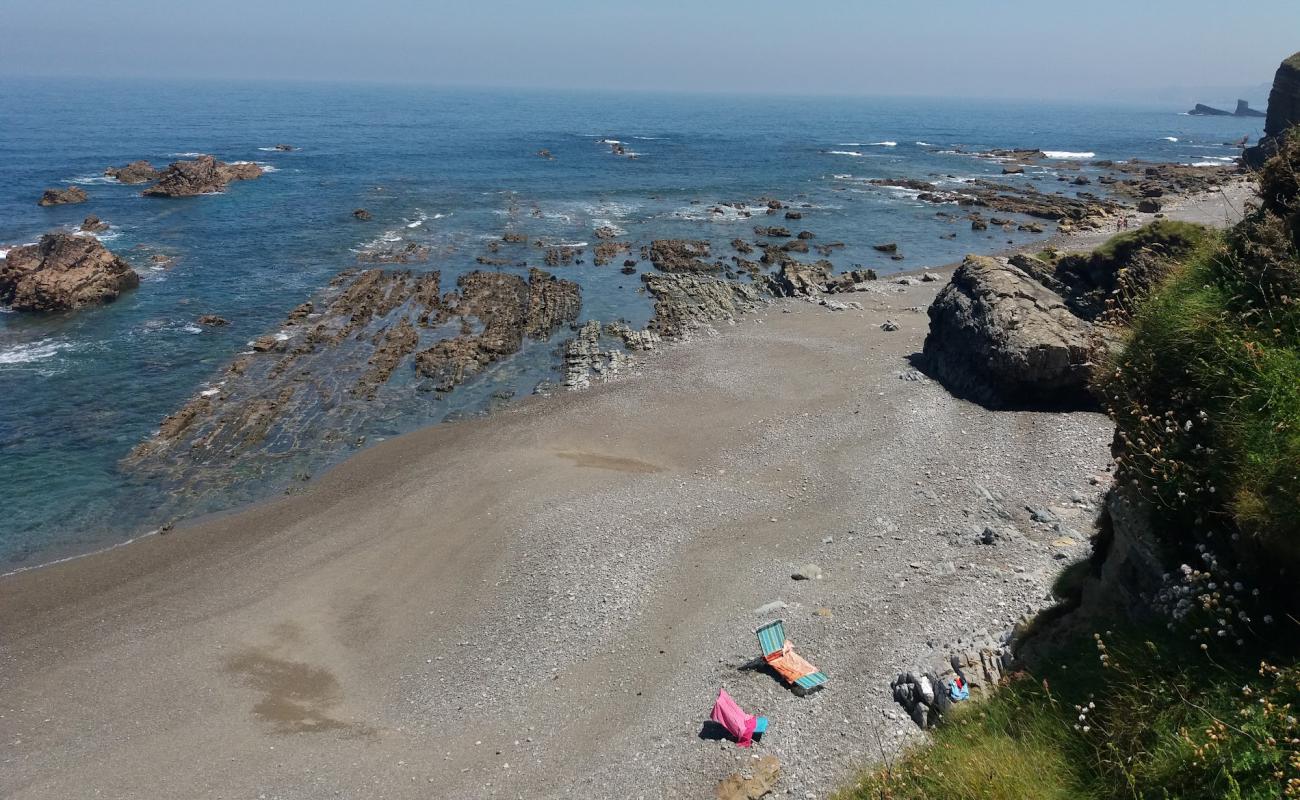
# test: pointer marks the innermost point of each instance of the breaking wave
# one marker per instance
(1066, 154)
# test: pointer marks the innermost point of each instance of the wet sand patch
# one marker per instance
(613, 463)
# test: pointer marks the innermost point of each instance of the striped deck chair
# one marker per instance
(771, 638)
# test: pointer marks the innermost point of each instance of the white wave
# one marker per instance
(853, 153)
(385, 238)
(4, 252)
(86, 180)
(884, 144)
(842, 176)
(1217, 163)
(849, 144)
(441, 216)
(604, 223)
(651, 138)
(1170, 138)
(267, 167)
(29, 352)
(924, 144)
(420, 219)
(210, 392)
(192, 329)
(185, 155)
(1066, 154)
(610, 141)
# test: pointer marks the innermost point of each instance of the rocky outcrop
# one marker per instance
(317, 372)
(508, 308)
(684, 303)
(1244, 110)
(1283, 112)
(135, 172)
(93, 224)
(409, 253)
(62, 273)
(362, 214)
(680, 255)
(999, 337)
(61, 197)
(203, 175)
(1202, 110)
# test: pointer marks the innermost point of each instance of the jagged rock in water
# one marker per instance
(93, 224)
(61, 197)
(508, 308)
(331, 365)
(680, 255)
(410, 253)
(202, 175)
(63, 272)
(136, 172)
(999, 337)
(606, 252)
(362, 214)
(686, 302)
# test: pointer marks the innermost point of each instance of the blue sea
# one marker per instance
(438, 167)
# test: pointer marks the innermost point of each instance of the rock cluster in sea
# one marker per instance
(334, 355)
(203, 175)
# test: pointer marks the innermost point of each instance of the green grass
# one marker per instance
(1167, 721)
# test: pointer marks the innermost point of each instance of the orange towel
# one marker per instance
(789, 664)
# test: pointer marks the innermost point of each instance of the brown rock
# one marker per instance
(362, 214)
(59, 197)
(93, 224)
(135, 172)
(63, 272)
(680, 255)
(999, 337)
(201, 176)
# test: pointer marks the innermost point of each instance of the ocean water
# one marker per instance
(439, 167)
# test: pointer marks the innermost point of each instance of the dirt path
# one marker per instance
(545, 602)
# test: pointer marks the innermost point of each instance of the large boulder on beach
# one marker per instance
(999, 337)
(203, 175)
(63, 272)
(135, 172)
(60, 197)
(1283, 111)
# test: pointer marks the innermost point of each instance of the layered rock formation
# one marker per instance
(1283, 111)
(60, 197)
(684, 303)
(201, 176)
(1001, 338)
(334, 362)
(62, 273)
(1243, 110)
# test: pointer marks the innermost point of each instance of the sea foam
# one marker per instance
(1066, 154)
(29, 352)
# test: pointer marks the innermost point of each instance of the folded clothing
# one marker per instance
(788, 664)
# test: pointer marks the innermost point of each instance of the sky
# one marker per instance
(1093, 49)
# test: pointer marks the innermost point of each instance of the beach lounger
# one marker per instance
(779, 654)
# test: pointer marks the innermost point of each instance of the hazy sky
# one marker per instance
(1091, 48)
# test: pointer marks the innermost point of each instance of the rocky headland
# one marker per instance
(1283, 111)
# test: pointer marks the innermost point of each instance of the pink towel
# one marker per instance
(730, 716)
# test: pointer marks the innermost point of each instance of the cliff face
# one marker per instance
(1284, 100)
(1283, 112)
